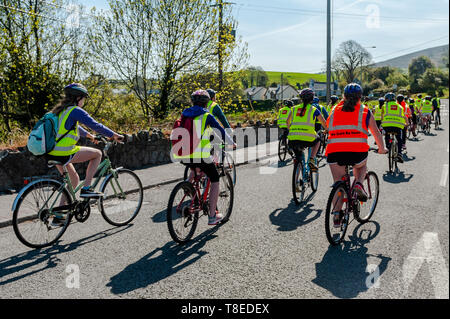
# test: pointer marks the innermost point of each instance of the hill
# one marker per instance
(294, 78)
(402, 62)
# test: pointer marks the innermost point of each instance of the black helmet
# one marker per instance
(381, 99)
(411, 100)
(400, 98)
(200, 98)
(211, 93)
(307, 94)
(289, 103)
(428, 98)
(419, 96)
(334, 98)
(389, 96)
(76, 89)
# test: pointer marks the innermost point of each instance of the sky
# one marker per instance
(290, 35)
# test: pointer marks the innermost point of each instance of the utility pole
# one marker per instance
(281, 88)
(328, 50)
(220, 5)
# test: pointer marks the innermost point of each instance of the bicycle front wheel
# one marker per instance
(298, 186)
(230, 167)
(314, 179)
(182, 213)
(123, 197)
(338, 201)
(371, 185)
(33, 222)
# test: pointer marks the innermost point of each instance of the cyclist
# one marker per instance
(302, 132)
(283, 114)
(378, 114)
(427, 109)
(323, 111)
(214, 109)
(393, 121)
(412, 106)
(71, 113)
(407, 112)
(333, 101)
(436, 102)
(351, 119)
(200, 158)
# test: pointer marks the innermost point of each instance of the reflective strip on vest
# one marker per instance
(301, 130)
(211, 106)
(282, 118)
(378, 113)
(427, 107)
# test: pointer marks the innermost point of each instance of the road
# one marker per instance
(269, 249)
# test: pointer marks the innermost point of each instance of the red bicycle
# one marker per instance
(189, 199)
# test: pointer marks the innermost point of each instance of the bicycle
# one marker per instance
(188, 199)
(393, 152)
(410, 130)
(35, 206)
(302, 177)
(228, 163)
(343, 199)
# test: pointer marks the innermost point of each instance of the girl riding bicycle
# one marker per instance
(348, 127)
(71, 113)
(200, 159)
(302, 132)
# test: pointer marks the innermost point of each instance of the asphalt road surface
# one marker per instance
(271, 248)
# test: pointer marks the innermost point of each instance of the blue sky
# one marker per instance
(290, 35)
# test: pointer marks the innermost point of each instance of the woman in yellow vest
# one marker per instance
(70, 112)
(283, 115)
(394, 121)
(301, 126)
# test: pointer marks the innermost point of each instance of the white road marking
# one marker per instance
(444, 175)
(428, 249)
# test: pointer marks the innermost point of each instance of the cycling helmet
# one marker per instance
(400, 98)
(200, 97)
(419, 96)
(211, 93)
(334, 99)
(353, 88)
(76, 89)
(411, 100)
(389, 96)
(307, 93)
(289, 103)
(381, 99)
(428, 98)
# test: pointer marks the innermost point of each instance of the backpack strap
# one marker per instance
(64, 135)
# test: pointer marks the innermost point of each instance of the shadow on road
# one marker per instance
(343, 270)
(160, 263)
(397, 178)
(293, 216)
(47, 257)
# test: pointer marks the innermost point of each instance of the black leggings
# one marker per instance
(208, 168)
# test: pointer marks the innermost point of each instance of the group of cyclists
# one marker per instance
(346, 122)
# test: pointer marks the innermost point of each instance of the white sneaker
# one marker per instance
(215, 219)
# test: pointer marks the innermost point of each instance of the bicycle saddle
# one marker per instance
(52, 163)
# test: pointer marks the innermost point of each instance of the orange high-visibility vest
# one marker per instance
(347, 131)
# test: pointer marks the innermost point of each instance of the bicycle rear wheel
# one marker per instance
(314, 179)
(226, 196)
(371, 185)
(337, 201)
(32, 222)
(123, 198)
(391, 158)
(282, 149)
(182, 213)
(298, 186)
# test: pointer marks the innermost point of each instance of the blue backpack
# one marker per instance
(42, 139)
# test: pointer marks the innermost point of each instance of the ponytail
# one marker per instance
(306, 100)
(350, 102)
(67, 100)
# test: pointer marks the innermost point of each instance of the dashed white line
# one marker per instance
(444, 176)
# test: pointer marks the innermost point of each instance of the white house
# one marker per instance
(255, 93)
(285, 92)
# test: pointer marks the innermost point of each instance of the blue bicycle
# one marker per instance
(302, 177)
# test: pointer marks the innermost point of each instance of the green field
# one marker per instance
(294, 78)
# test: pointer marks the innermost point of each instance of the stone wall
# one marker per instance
(143, 149)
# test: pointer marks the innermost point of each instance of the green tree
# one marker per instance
(397, 78)
(348, 58)
(433, 81)
(416, 69)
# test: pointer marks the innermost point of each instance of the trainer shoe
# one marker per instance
(359, 189)
(88, 192)
(215, 219)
